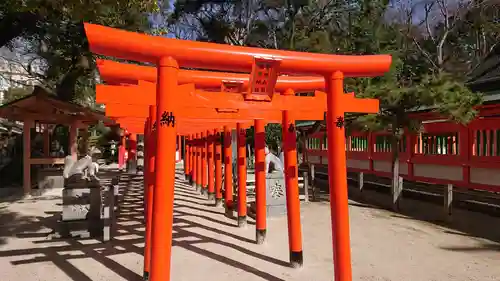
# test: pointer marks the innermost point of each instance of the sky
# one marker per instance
(418, 13)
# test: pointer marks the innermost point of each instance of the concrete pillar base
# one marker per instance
(242, 221)
(218, 202)
(211, 196)
(229, 212)
(296, 259)
(131, 167)
(260, 236)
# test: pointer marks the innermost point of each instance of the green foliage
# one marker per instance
(16, 93)
(453, 98)
(425, 75)
(439, 92)
(53, 31)
(107, 135)
(273, 136)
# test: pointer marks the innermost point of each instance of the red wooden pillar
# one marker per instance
(228, 171)
(121, 150)
(178, 149)
(410, 150)
(242, 176)
(147, 132)
(371, 149)
(218, 168)
(192, 162)
(320, 148)
(46, 141)
(210, 156)
(187, 157)
(260, 181)
(198, 163)
(292, 188)
(150, 173)
(165, 166)
(204, 148)
(337, 178)
(132, 153)
(466, 139)
(28, 124)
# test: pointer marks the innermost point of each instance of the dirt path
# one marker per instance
(208, 246)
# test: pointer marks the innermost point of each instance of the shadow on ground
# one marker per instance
(463, 222)
(13, 222)
(128, 236)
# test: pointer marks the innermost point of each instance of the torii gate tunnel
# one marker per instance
(175, 108)
(126, 113)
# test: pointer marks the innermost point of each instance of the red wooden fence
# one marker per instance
(442, 153)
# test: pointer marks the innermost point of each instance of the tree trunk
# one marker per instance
(396, 184)
(66, 89)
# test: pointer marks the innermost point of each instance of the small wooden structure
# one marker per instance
(40, 109)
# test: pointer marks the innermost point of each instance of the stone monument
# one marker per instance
(275, 185)
(140, 156)
(85, 209)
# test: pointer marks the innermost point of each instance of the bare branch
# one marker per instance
(443, 8)
(26, 70)
(425, 53)
(428, 7)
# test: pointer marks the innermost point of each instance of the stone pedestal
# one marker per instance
(88, 209)
(140, 157)
(132, 166)
(81, 209)
(275, 194)
(108, 209)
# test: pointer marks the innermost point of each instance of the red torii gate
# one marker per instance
(124, 73)
(107, 95)
(167, 53)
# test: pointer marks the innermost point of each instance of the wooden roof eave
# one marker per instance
(84, 114)
(49, 110)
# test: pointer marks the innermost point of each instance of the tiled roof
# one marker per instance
(485, 77)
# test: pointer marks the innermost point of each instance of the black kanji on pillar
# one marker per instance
(154, 126)
(167, 118)
(340, 122)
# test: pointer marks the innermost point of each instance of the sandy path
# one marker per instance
(208, 246)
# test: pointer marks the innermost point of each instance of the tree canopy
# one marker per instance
(51, 33)
(434, 45)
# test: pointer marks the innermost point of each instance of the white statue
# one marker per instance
(282, 153)
(271, 158)
(69, 161)
(85, 166)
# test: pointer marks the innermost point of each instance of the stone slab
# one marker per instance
(275, 194)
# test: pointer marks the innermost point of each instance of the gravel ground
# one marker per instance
(208, 246)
